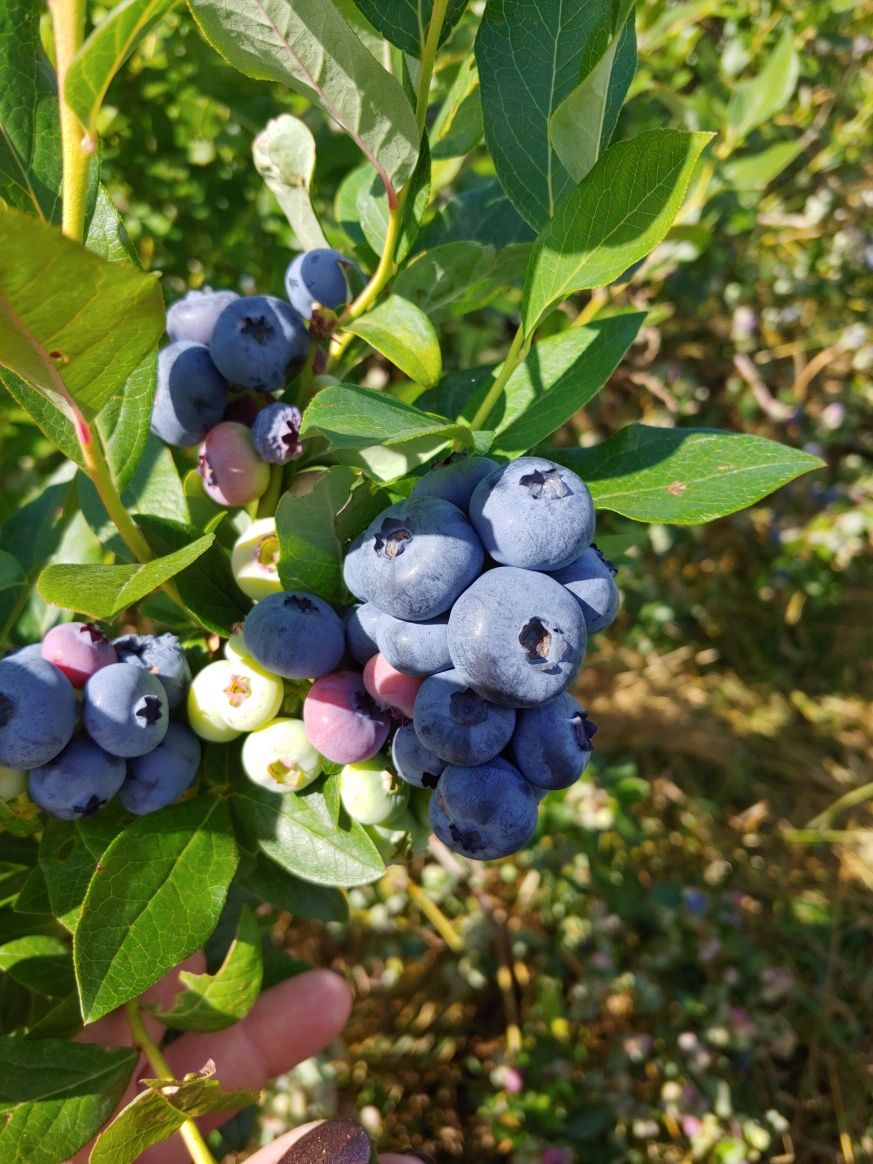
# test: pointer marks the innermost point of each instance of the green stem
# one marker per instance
(270, 499)
(428, 59)
(517, 353)
(68, 24)
(190, 1133)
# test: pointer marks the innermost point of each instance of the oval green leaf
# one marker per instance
(405, 336)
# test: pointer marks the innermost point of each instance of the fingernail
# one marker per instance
(425, 1157)
(334, 1142)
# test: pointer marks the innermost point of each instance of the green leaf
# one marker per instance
(11, 573)
(683, 476)
(284, 155)
(267, 882)
(405, 336)
(449, 280)
(483, 214)
(372, 206)
(39, 962)
(619, 213)
(313, 531)
(124, 420)
(30, 132)
(457, 127)
(159, 1111)
(296, 831)
(531, 57)
(104, 591)
(759, 99)
(71, 324)
(559, 376)
(104, 52)
(55, 1094)
(405, 22)
(155, 900)
(207, 587)
(211, 1002)
(351, 417)
(755, 171)
(307, 45)
(69, 854)
(581, 126)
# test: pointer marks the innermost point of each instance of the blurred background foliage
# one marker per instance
(680, 968)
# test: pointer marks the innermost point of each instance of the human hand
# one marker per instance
(288, 1024)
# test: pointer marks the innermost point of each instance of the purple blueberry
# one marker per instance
(259, 343)
(551, 744)
(416, 648)
(417, 556)
(317, 276)
(534, 514)
(78, 649)
(354, 556)
(77, 782)
(162, 657)
(415, 763)
(162, 775)
(195, 316)
(191, 395)
(484, 812)
(295, 635)
(125, 710)
(342, 720)
(233, 473)
(362, 626)
(517, 637)
(276, 434)
(457, 724)
(37, 711)
(455, 479)
(591, 581)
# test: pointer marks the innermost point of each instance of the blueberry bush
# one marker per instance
(199, 724)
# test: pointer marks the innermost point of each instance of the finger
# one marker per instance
(114, 1031)
(274, 1152)
(287, 1024)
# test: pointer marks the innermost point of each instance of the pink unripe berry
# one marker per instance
(342, 721)
(390, 687)
(78, 649)
(233, 473)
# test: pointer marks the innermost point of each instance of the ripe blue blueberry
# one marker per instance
(484, 812)
(233, 473)
(259, 343)
(78, 649)
(418, 556)
(160, 777)
(591, 581)
(162, 657)
(416, 648)
(457, 724)
(77, 782)
(362, 626)
(295, 635)
(276, 433)
(317, 276)
(415, 763)
(454, 479)
(37, 711)
(352, 562)
(195, 316)
(125, 710)
(191, 395)
(533, 513)
(342, 720)
(551, 744)
(517, 637)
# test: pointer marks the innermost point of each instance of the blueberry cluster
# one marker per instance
(88, 719)
(478, 594)
(449, 677)
(228, 360)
